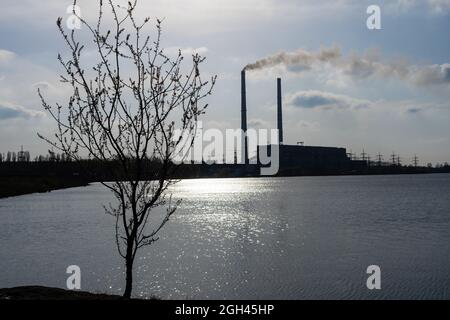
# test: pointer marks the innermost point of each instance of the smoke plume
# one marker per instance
(299, 58)
(356, 66)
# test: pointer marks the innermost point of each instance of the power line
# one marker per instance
(415, 160)
(363, 155)
(379, 159)
(393, 158)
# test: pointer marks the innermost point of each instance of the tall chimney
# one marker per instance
(244, 116)
(279, 112)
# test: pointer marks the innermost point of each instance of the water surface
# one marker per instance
(258, 238)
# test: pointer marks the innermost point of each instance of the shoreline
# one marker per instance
(20, 178)
(20, 185)
(39, 293)
(50, 293)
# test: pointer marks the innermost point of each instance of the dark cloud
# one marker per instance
(414, 110)
(314, 99)
(10, 111)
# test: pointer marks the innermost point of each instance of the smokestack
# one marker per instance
(279, 112)
(244, 115)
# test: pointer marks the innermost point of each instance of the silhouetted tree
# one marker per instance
(127, 107)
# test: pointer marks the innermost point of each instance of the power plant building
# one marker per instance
(299, 159)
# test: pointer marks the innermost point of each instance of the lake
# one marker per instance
(250, 238)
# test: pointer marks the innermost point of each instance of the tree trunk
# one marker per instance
(129, 276)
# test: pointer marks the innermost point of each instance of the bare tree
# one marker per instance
(123, 111)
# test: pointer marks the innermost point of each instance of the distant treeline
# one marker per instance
(18, 178)
(41, 176)
(93, 170)
(24, 156)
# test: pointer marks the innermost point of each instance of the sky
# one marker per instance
(344, 85)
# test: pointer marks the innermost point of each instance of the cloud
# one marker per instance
(414, 110)
(439, 6)
(21, 77)
(49, 89)
(199, 16)
(413, 107)
(6, 56)
(186, 51)
(433, 75)
(311, 125)
(208, 16)
(221, 125)
(43, 85)
(12, 111)
(427, 6)
(258, 123)
(311, 99)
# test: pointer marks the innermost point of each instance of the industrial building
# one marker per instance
(299, 159)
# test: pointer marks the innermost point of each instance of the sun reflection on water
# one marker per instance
(199, 187)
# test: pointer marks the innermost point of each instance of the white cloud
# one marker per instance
(258, 123)
(208, 16)
(200, 16)
(6, 56)
(43, 86)
(185, 51)
(439, 6)
(433, 75)
(213, 124)
(429, 6)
